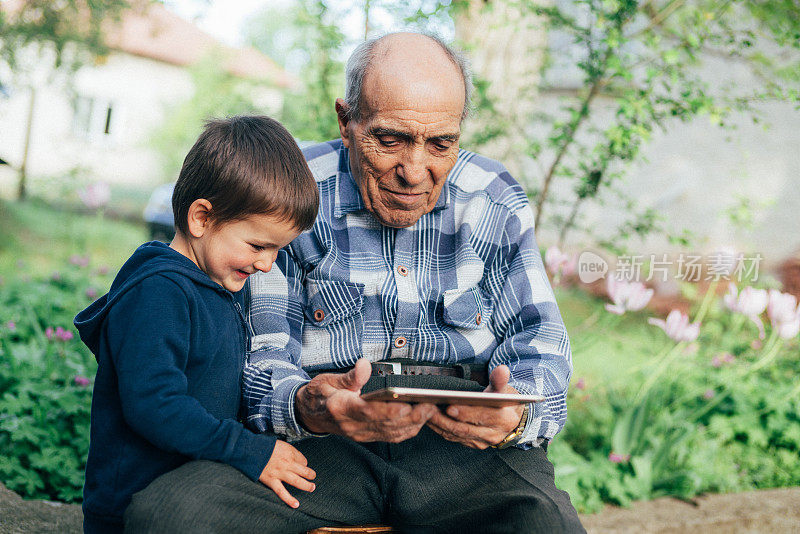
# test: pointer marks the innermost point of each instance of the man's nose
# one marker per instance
(414, 168)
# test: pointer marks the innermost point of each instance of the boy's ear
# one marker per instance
(199, 217)
(341, 115)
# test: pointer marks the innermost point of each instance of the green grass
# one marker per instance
(38, 238)
(605, 347)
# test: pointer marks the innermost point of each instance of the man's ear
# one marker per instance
(341, 114)
(199, 217)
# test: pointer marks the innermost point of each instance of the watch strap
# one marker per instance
(513, 437)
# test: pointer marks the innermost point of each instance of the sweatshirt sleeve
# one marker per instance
(148, 333)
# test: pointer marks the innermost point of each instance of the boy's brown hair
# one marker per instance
(246, 165)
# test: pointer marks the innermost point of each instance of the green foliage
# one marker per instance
(641, 66)
(45, 392)
(46, 277)
(217, 94)
(38, 239)
(309, 31)
(707, 423)
(71, 28)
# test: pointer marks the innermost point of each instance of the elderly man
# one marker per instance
(421, 270)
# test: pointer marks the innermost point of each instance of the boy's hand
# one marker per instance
(287, 464)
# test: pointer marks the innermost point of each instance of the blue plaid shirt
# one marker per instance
(465, 283)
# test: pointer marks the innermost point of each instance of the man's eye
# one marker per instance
(388, 141)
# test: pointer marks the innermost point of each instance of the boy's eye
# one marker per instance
(257, 248)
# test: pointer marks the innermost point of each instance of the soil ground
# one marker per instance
(756, 512)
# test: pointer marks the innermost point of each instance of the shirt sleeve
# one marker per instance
(533, 339)
(272, 373)
(148, 333)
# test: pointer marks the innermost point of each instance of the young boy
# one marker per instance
(170, 337)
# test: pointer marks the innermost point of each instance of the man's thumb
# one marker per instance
(355, 378)
(499, 378)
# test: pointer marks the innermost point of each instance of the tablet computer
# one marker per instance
(441, 396)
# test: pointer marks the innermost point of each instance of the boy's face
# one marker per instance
(230, 252)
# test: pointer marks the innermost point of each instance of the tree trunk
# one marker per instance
(506, 45)
(22, 191)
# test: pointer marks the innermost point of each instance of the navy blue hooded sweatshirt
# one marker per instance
(170, 345)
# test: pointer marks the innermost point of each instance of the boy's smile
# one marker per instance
(230, 252)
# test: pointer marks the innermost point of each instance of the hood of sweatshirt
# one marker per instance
(149, 259)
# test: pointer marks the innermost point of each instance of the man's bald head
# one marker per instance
(407, 55)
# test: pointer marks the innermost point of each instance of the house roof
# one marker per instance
(153, 32)
(156, 33)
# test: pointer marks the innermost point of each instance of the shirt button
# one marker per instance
(400, 342)
(402, 270)
(319, 315)
(478, 319)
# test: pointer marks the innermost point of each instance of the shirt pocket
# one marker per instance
(467, 308)
(335, 324)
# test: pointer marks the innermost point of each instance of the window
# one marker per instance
(93, 118)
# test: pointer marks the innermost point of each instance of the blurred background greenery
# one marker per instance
(662, 126)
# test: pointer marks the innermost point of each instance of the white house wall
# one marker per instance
(692, 173)
(139, 90)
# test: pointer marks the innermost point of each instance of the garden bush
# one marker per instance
(45, 381)
(721, 414)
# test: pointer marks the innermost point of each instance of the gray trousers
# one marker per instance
(424, 484)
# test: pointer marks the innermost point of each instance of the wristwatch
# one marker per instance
(515, 434)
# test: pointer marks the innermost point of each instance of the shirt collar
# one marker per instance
(348, 196)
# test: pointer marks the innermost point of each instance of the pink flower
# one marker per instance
(91, 293)
(95, 195)
(81, 381)
(56, 276)
(749, 302)
(691, 348)
(80, 261)
(58, 333)
(721, 359)
(63, 335)
(677, 326)
(102, 270)
(12, 326)
(756, 344)
(627, 296)
(709, 394)
(580, 384)
(618, 458)
(783, 313)
(559, 263)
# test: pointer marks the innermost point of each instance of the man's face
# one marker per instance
(403, 146)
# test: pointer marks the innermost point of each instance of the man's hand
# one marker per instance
(331, 403)
(480, 427)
